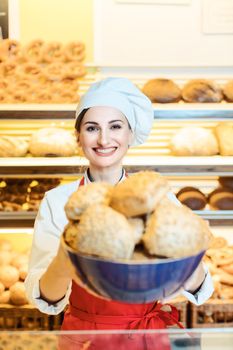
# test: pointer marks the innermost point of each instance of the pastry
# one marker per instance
(226, 181)
(201, 90)
(221, 199)
(162, 91)
(52, 142)
(228, 91)
(139, 194)
(175, 231)
(11, 146)
(192, 198)
(194, 141)
(103, 232)
(224, 133)
(92, 193)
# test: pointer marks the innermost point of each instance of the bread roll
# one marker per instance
(18, 294)
(228, 91)
(92, 193)
(221, 198)
(224, 133)
(8, 275)
(162, 91)
(192, 198)
(52, 142)
(201, 90)
(194, 141)
(139, 193)
(12, 146)
(103, 232)
(175, 231)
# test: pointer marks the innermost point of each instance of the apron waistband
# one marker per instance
(154, 319)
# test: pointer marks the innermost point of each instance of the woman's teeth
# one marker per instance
(105, 150)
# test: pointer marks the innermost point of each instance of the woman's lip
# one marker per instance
(105, 151)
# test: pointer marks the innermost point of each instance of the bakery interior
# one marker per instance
(180, 54)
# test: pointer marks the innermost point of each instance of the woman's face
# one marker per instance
(104, 136)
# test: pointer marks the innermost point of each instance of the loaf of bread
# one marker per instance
(194, 141)
(192, 197)
(162, 91)
(11, 146)
(201, 90)
(221, 198)
(224, 133)
(56, 142)
(228, 91)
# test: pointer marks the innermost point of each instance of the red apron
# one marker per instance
(88, 312)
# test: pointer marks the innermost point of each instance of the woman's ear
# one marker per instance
(77, 136)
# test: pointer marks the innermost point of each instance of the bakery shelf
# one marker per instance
(179, 111)
(61, 166)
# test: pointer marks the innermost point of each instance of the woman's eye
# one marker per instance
(116, 126)
(91, 128)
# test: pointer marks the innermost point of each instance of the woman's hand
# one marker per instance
(196, 279)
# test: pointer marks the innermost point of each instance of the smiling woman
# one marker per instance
(113, 115)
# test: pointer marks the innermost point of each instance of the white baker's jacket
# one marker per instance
(49, 225)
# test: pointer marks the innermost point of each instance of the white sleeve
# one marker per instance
(45, 244)
(204, 292)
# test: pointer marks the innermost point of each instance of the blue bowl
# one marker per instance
(133, 281)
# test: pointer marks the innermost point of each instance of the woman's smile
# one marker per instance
(104, 152)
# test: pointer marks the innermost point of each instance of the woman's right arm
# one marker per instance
(48, 284)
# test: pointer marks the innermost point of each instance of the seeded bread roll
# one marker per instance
(201, 90)
(102, 232)
(224, 133)
(194, 141)
(139, 193)
(192, 198)
(162, 91)
(54, 142)
(228, 91)
(221, 198)
(12, 147)
(92, 193)
(175, 231)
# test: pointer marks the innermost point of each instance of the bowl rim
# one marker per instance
(129, 262)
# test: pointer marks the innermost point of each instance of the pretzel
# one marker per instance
(74, 70)
(33, 50)
(52, 52)
(74, 51)
(55, 71)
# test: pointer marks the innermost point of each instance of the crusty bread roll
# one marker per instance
(162, 91)
(201, 90)
(192, 197)
(228, 91)
(175, 231)
(53, 142)
(11, 146)
(93, 193)
(194, 141)
(137, 225)
(139, 193)
(224, 133)
(8, 275)
(103, 232)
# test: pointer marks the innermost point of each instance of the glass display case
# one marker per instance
(172, 339)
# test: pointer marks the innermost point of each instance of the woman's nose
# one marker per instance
(103, 138)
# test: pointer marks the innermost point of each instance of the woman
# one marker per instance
(111, 116)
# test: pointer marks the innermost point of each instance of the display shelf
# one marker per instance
(62, 166)
(180, 110)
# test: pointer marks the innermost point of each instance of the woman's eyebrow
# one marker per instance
(91, 123)
(117, 120)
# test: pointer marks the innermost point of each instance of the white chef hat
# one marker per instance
(123, 95)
